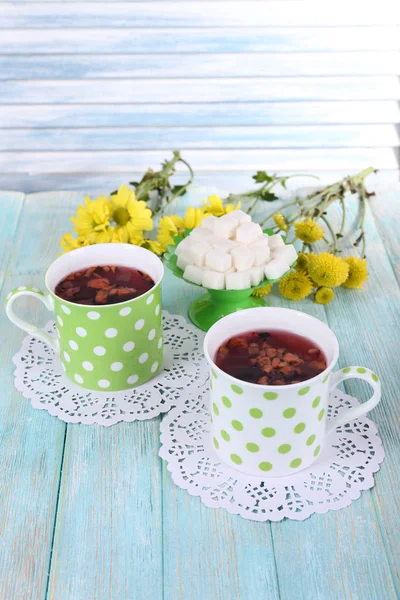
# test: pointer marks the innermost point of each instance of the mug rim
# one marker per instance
(104, 306)
(262, 386)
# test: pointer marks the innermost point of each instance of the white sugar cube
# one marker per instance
(275, 268)
(213, 280)
(256, 275)
(221, 244)
(263, 241)
(240, 216)
(218, 261)
(225, 227)
(208, 223)
(197, 253)
(183, 246)
(261, 252)
(183, 261)
(287, 253)
(242, 258)
(199, 235)
(238, 281)
(248, 233)
(275, 241)
(193, 274)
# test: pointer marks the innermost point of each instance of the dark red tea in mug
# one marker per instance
(270, 358)
(107, 284)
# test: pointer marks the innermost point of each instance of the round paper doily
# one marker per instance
(41, 379)
(344, 468)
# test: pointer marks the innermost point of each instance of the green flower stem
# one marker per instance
(343, 205)
(362, 219)
(333, 234)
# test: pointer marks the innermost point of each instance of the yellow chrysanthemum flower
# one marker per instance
(129, 215)
(68, 242)
(92, 217)
(262, 291)
(167, 230)
(327, 270)
(296, 285)
(358, 272)
(214, 206)
(309, 231)
(193, 217)
(324, 295)
(280, 221)
(302, 262)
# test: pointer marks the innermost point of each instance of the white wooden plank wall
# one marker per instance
(92, 93)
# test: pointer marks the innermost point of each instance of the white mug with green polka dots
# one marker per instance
(277, 430)
(109, 347)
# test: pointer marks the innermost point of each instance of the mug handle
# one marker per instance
(24, 325)
(356, 411)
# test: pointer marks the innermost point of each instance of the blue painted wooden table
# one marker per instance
(91, 513)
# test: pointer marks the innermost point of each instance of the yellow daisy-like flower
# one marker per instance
(358, 272)
(327, 270)
(302, 262)
(214, 206)
(262, 291)
(167, 230)
(92, 217)
(296, 285)
(309, 231)
(280, 221)
(193, 217)
(68, 242)
(324, 295)
(129, 215)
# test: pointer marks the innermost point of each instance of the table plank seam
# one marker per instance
(61, 470)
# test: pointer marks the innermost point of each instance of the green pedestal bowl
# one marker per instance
(208, 308)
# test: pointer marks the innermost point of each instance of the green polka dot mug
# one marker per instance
(109, 347)
(277, 430)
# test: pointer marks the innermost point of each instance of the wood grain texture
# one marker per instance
(200, 160)
(222, 65)
(201, 40)
(200, 13)
(99, 184)
(247, 89)
(175, 114)
(149, 138)
(31, 442)
(124, 531)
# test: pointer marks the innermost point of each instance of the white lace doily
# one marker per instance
(41, 379)
(343, 470)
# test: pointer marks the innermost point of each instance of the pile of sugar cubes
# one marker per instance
(231, 252)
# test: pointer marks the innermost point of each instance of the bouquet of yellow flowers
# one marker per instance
(130, 215)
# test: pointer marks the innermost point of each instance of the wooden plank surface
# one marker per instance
(124, 530)
(31, 442)
(201, 40)
(199, 13)
(222, 65)
(149, 138)
(201, 160)
(248, 89)
(198, 114)
(98, 184)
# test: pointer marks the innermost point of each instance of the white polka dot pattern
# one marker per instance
(111, 332)
(139, 324)
(93, 315)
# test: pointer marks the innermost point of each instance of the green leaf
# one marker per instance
(179, 190)
(268, 196)
(135, 184)
(262, 176)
